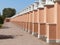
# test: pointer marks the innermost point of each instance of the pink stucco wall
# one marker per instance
(41, 15)
(50, 15)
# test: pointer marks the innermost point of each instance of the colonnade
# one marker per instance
(41, 19)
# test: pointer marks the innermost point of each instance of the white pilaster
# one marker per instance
(33, 33)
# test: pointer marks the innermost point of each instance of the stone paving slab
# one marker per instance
(20, 37)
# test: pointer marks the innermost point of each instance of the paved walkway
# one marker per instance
(20, 37)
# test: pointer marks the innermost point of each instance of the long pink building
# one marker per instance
(41, 19)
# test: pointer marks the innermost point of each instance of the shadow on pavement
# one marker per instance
(54, 44)
(6, 37)
(4, 27)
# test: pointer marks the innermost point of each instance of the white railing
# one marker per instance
(41, 4)
(37, 4)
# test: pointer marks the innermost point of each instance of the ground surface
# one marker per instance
(20, 37)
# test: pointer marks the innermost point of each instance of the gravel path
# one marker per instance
(17, 36)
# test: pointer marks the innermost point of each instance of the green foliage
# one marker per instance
(0, 25)
(8, 12)
(1, 20)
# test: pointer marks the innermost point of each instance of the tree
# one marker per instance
(8, 12)
(1, 19)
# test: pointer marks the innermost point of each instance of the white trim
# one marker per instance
(40, 5)
(38, 36)
(51, 40)
(35, 6)
(28, 31)
(33, 33)
(57, 40)
(47, 40)
(49, 2)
